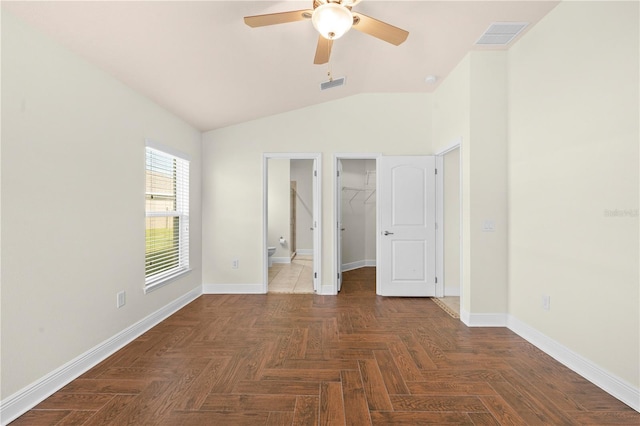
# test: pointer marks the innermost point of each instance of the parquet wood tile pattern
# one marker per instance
(352, 359)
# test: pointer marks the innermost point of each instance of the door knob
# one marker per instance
(388, 233)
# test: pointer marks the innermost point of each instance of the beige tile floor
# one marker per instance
(294, 277)
(453, 302)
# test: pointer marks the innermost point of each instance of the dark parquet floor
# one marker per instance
(353, 359)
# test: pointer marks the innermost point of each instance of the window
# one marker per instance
(167, 216)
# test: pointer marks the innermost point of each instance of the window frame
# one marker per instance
(181, 195)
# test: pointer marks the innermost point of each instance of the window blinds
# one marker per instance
(167, 216)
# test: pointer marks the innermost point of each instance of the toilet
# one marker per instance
(271, 251)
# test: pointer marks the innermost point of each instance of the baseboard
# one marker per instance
(608, 382)
(327, 290)
(358, 264)
(232, 289)
(452, 291)
(483, 320)
(27, 398)
(305, 252)
(280, 259)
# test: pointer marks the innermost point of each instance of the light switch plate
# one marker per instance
(489, 225)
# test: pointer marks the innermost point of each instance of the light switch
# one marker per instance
(489, 225)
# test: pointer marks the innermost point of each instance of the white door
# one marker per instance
(314, 228)
(407, 226)
(339, 223)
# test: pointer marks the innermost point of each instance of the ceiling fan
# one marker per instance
(332, 19)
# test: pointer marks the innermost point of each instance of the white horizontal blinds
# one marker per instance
(167, 215)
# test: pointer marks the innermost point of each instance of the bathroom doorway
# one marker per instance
(291, 223)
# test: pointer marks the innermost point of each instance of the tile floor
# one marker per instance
(453, 302)
(294, 277)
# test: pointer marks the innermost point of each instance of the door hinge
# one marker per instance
(436, 225)
(315, 173)
(315, 275)
(436, 171)
(338, 275)
(338, 173)
(436, 280)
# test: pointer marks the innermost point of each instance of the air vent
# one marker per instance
(501, 33)
(336, 82)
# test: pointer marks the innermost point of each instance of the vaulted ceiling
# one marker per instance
(200, 61)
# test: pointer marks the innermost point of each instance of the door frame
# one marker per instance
(317, 213)
(337, 200)
(455, 144)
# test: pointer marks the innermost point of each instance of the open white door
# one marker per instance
(315, 229)
(407, 226)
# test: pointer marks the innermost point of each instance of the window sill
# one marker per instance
(162, 281)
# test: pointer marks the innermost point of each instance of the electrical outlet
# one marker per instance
(235, 263)
(121, 299)
(489, 225)
(546, 302)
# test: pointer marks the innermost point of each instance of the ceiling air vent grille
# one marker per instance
(336, 82)
(501, 33)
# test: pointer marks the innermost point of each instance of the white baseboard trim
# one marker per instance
(305, 252)
(232, 289)
(452, 290)
(358, 264)
(483, 320)
(25, 399)
(608, 382)
(327, 290)
(280, 259)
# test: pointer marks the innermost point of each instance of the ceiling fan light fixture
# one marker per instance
(332, 20)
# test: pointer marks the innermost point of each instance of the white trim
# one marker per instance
(317, 213)
(28, 397)
(337, 199)
(454, 144)
(232, 289)
(440, 225)
(608, 382)
(283, 259)
(357, 264)
(483, 320)
(304, 252)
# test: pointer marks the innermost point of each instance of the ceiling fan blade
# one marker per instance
(379, 29)
(277, 18)
(323, 51)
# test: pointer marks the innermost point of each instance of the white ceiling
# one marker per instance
(199, 60)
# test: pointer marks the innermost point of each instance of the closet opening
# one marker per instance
(356, 218)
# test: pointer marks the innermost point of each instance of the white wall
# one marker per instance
(279, 205)
(386, 123)
(451, 213)
(73, 149)
(302, 173)
(573, 158)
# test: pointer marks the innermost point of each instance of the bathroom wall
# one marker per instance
(278, 208)
(302, 173)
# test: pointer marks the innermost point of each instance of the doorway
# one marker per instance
(291, 219)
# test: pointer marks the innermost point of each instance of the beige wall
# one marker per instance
(573, 157)
(279, 204)
(302, 173)
(471, 106)
(73, 218)
(390, 124)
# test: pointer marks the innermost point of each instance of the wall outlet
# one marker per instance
(121, 299)
(546, 302)
(235, 263)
